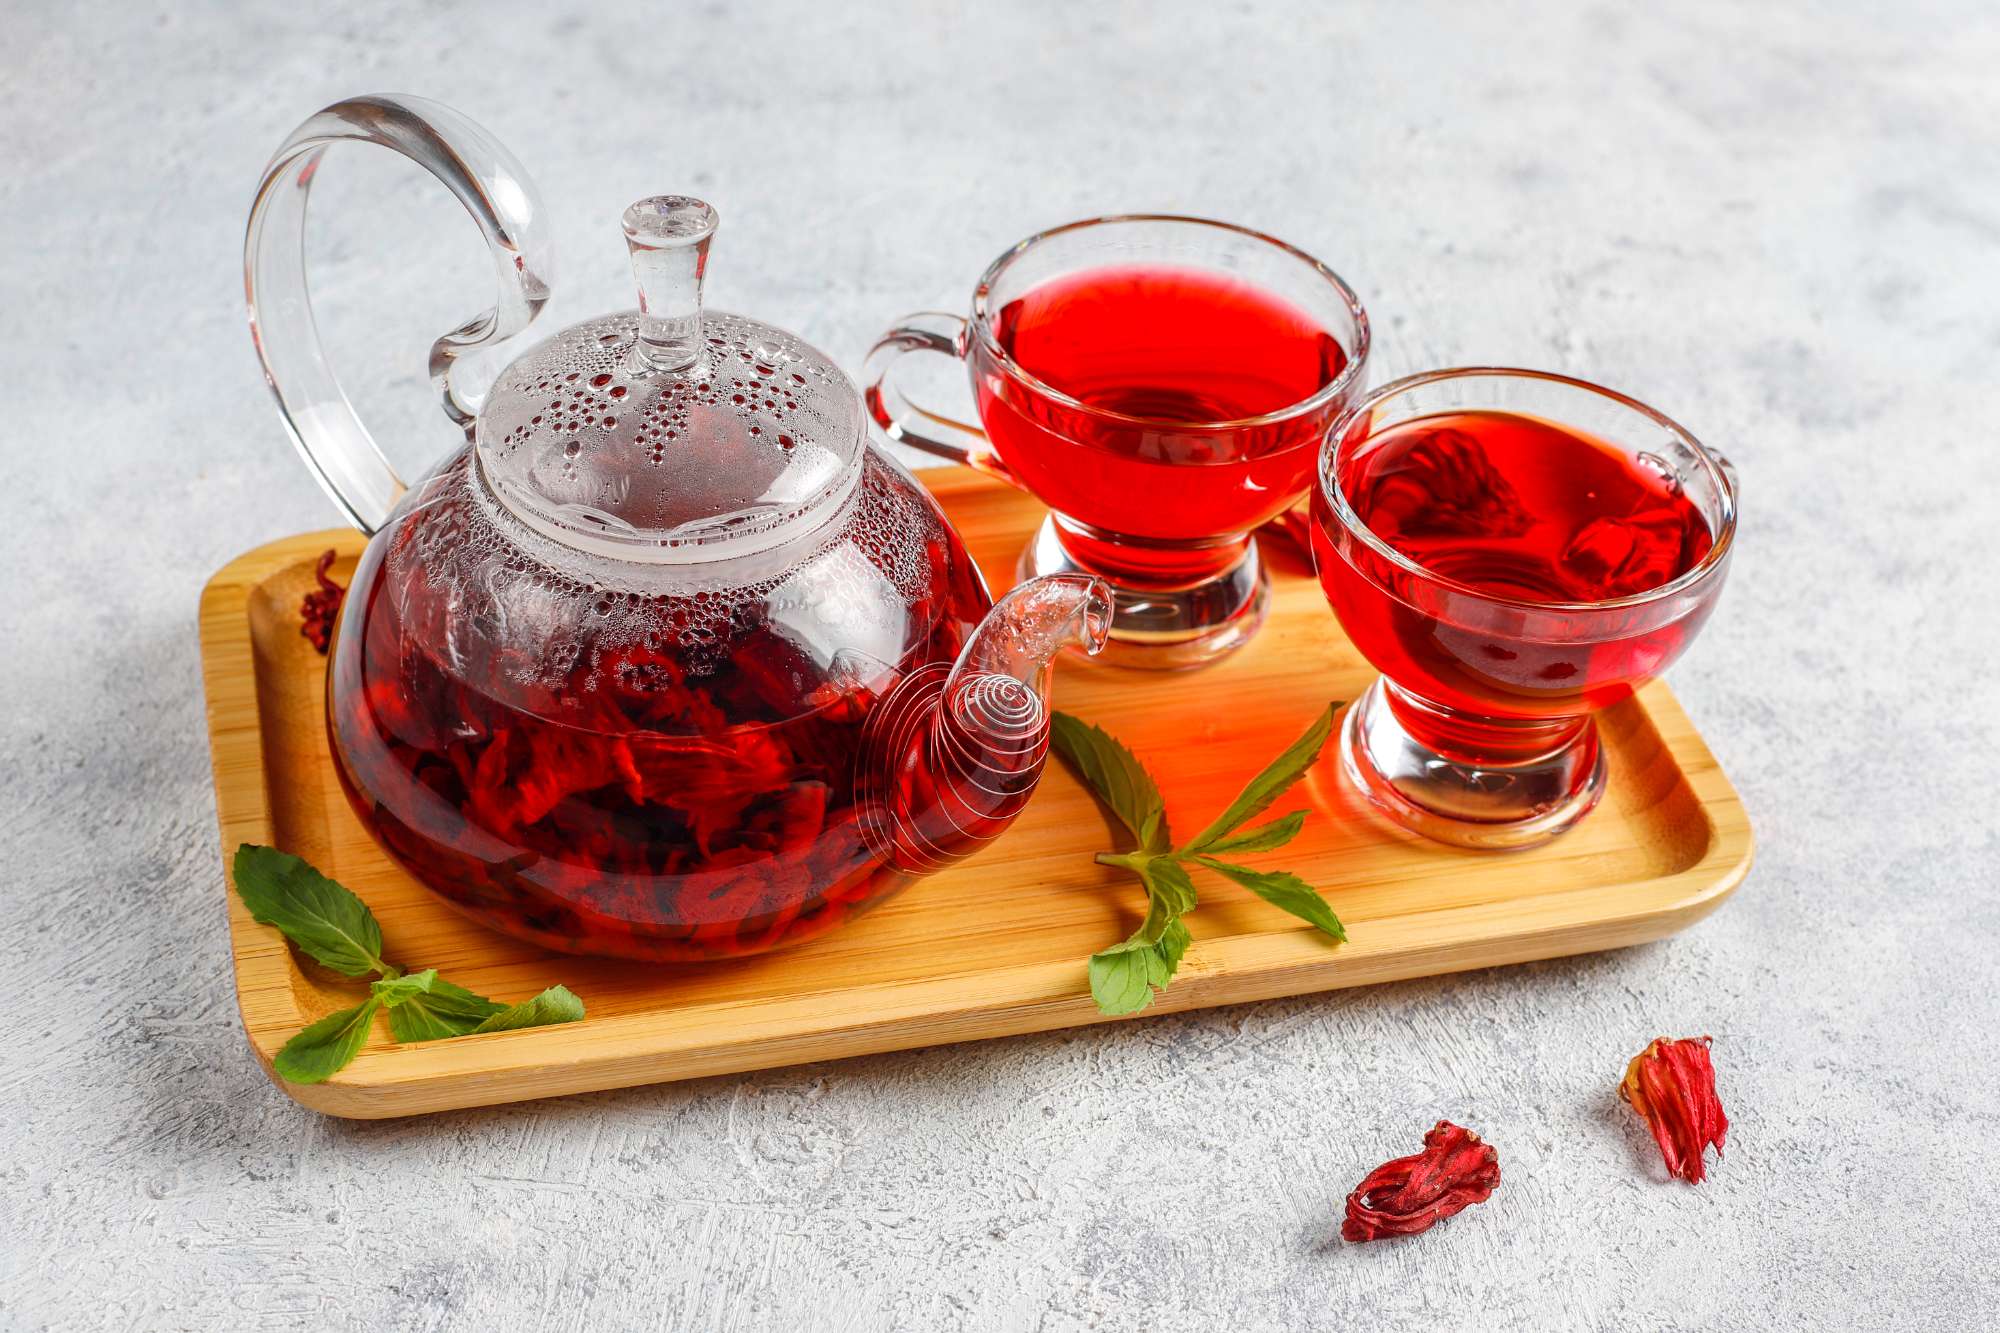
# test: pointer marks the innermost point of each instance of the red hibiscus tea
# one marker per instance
(638, 805)
(630, 835)
(1162, 384)
(1501, 509)
(1173, 367)
(1514, 551)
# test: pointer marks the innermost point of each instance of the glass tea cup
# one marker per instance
(1162, 384)
(1513, 551)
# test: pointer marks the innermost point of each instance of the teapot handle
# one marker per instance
(500, 198)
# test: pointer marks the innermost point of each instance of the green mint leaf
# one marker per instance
(394, 991)
(1167, 955)
(1167, 883)
(1283, 889)
(1124, 978)
(1115, 774)
(325, 1048)
(1158, 917)
(417, 1021)
(554, 1005)
(1263, 838)
(315, 913)
(458, 1002)
(441, 1010)
(1118, 980)
(1272, 783)
(1169, 894)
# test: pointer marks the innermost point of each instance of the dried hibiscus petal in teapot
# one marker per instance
(318, 608)
(1671, 1084)
(1415, 1193)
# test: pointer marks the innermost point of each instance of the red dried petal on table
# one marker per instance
(318, 608)
(1415, 1193)
(1671, 1084)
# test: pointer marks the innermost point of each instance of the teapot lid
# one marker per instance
(671, 434)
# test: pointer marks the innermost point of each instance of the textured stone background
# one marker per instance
(1781, 224)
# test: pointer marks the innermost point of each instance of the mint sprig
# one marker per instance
(334, 927)
(1125, 977)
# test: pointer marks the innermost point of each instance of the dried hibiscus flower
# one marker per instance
(1671, 1084)
(320, 606)
(1414, 1193)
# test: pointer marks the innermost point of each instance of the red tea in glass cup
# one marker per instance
(1513, 551)
(1162, 384)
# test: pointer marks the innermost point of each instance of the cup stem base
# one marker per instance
(1520, 801)
(1166, 627)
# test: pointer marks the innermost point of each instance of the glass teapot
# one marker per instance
(669, 661)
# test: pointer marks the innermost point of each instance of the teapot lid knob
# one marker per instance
(668, 235)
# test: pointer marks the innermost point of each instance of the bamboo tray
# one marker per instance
(993, 947)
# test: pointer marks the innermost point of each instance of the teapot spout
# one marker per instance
(952, 756)
(1018, 642)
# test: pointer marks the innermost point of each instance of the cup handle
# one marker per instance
(1727, 468)
(502, 201)
(925, 331)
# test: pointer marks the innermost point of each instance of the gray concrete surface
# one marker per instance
(1780, 223)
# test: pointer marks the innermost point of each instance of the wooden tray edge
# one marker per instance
(243, 810)
(911, 1016)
